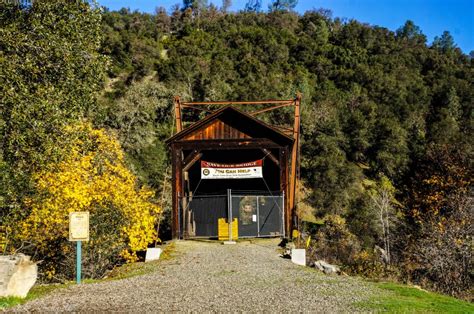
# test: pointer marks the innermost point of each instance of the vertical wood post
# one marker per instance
(177, 114)
(294, 161)
(177, 188)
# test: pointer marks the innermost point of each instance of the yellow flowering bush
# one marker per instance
(92, 177)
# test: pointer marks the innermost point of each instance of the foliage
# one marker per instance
(445, 43)
(50, 71)
(334, 242)
(141, 119)
(442, 210)
(443, 255)
(374, 102)
(382, 196)
(367, 263)
(93, 177)
(133, 40)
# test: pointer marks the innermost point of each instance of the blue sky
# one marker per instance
(432, 16)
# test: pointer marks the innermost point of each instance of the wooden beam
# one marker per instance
(284, 128)
(270, 155)
(256, 102)
(197, 108)
(177, 114)
(191, 160)
(253, 113)
(228, 144)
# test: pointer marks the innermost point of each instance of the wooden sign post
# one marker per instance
(78, 231)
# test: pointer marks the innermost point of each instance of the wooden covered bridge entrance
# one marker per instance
(230, 165)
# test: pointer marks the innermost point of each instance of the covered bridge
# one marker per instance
(231, 164)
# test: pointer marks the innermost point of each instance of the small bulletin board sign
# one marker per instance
(78, 232)
(79, 226)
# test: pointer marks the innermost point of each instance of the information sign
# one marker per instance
(79, 226)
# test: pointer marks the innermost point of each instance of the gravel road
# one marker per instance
(203, 276)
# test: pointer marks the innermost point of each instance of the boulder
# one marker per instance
(326, 267)
(17, 275)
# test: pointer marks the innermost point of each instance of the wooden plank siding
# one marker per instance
(215, 130)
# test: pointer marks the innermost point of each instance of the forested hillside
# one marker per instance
(387, 119)
(386, 127)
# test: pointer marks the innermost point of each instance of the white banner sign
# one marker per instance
(247, 170)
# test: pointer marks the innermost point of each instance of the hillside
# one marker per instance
(386, 130)
(383, 112)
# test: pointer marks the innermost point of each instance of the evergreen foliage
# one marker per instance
(382, 111)
(52, 162)
(376, 104)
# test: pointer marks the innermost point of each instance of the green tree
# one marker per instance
(445, 43)
(51, 71)
(410, 31)
(142, 120)
(445, 127)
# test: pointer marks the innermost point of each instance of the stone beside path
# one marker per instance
(208, 276)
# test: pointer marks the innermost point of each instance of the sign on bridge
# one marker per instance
(247, 170)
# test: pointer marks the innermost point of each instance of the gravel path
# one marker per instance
(249, 276)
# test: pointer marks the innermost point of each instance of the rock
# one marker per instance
(17, 275)
(318, 265)
(327, 268)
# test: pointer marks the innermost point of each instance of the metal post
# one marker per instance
(180, 207)
(229, 193)
(258, 216)
(283, 213)
(78, 261)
